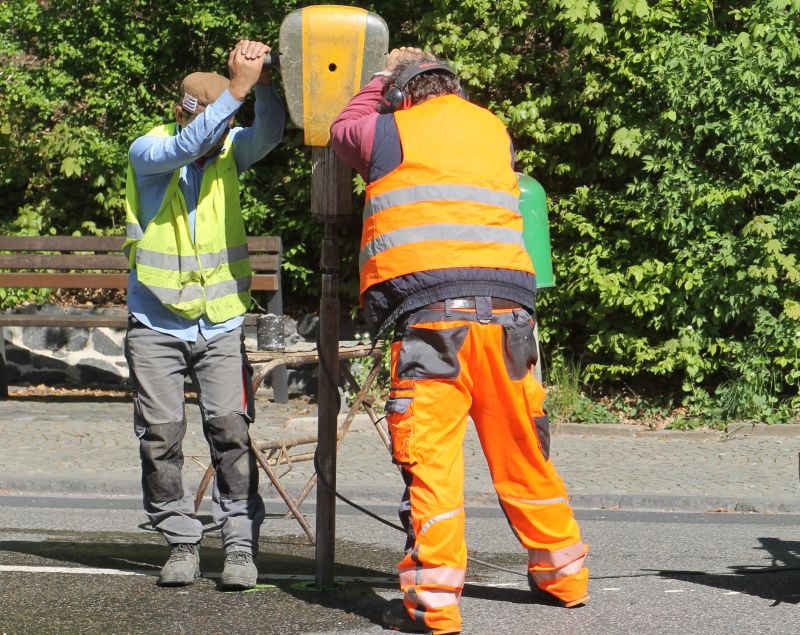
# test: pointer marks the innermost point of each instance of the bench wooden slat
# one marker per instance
(61, 243)
(116, 321)
(267, 263)
(264, 262)
(269, 244)
(65, 280)
(265, 282)
(260, 282)
(256, 244)
(63, 261)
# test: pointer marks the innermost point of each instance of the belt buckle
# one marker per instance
(461, 303)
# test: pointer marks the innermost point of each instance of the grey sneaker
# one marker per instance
(239, 571)
(182, 567)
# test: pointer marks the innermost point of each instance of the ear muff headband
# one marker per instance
(396, 98)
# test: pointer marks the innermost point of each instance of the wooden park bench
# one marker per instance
(97, 262)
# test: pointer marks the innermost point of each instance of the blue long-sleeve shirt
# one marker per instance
(155, 159)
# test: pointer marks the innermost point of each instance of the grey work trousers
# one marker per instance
(159, 365)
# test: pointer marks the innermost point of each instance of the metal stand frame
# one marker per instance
(272, 453)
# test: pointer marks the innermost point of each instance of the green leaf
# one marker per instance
(71, 167)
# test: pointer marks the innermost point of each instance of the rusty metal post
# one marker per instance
(331, 191)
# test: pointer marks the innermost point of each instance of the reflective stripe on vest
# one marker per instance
(209, 275)
(418, 193)
(437, 233)
(190, 263)
(194, 292)
(451, 203)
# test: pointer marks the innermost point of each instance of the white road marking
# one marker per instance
(140, 572)
(612, 588)
(732, 593)
(83, 570)
(675, 591)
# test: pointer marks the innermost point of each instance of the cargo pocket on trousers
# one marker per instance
(519, 347)
(139, 422)
(542, 425)
(430, 353)
(401, 428)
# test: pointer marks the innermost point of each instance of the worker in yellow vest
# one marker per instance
(189, 287)
(442, 258)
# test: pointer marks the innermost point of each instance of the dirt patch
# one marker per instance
(64, 391)
(89, 298)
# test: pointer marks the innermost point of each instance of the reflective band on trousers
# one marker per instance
(423, 193)
(193, 292)
(544, 501)
(446, 576)
(439, 517)
(433, 598)
(190, 263)
(428, 525)
(443, 232)
(557, 558)
(546, 566)
(548, 576)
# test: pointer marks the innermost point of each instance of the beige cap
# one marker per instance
(202, 89)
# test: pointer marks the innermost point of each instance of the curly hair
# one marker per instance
(426, 85)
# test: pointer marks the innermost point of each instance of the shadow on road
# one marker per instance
(779, 581)
(283, 556)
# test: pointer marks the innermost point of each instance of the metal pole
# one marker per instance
(328, 409)
(331, 192)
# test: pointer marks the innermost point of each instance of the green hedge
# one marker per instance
(666, 134)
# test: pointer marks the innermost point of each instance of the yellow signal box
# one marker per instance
(327, 54)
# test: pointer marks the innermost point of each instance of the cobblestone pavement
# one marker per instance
(66, 445)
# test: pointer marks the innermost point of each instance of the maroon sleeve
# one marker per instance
(353, 131)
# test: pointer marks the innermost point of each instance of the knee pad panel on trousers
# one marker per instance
(519, 346)
(237, 473)
(162, 461)
(430, 353)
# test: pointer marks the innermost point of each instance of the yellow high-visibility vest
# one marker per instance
(453, 202)
(209, 275)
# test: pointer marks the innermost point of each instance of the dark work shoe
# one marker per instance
(182, 567)
(573, 604)
(396, 618)
(239, 571)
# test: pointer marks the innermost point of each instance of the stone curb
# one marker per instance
(390, 497)
(698, 504)
(736, 431)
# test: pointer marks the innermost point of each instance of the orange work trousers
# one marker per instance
(447, 364)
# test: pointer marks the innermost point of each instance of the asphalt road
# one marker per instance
(88, 565)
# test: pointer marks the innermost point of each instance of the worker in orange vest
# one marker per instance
(442, 258)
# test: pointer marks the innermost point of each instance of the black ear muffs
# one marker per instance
(395, 98)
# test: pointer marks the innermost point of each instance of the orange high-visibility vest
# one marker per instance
(451, 203)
